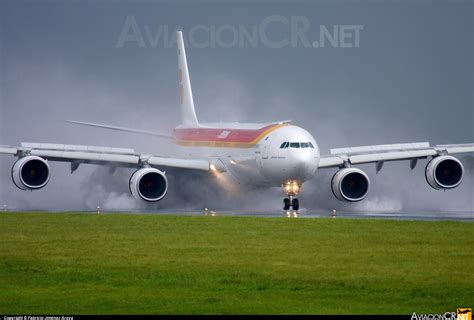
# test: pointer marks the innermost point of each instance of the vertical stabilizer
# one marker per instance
(188, 115)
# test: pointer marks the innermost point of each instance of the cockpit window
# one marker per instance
(284, 145)
(296, 145)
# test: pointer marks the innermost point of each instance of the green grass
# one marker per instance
(93, 264)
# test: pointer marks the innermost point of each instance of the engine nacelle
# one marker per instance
(30, 173)
(444, 172)
(350, 184)
(148, 184)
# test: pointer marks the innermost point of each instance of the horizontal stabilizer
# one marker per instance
(104, 126)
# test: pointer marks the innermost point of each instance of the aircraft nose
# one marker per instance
(303, 165)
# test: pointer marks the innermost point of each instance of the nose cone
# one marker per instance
(302, 165)
(292, 154)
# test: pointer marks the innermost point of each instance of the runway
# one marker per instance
(467, 216)
(312, 214)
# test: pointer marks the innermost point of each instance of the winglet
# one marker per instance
(188, 115)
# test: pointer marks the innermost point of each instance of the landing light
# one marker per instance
(291, 187)
(213, 167)
(233, 162)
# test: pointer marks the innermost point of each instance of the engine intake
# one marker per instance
(350, 184)
(148, 184)
(444, 172)
(30, 173)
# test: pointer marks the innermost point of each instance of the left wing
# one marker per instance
(342, 157)
(78, 154)
(149, 181)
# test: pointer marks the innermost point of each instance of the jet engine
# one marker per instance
(30, 173)
(444, 172)
(148, 184)
(350, 184)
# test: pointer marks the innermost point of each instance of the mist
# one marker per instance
(410, 80)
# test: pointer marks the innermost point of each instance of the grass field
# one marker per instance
(133, 264)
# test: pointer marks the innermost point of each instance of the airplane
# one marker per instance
(276, 154)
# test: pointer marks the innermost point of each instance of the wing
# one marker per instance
(390, 152)
(78, 154)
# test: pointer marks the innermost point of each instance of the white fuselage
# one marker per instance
(287, 153)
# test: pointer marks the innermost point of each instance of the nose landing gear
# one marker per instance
(291, 188)
(291, 203)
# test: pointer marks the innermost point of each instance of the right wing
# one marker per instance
(389, 152)
(78, 154)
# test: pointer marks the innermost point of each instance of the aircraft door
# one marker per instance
(266, 143)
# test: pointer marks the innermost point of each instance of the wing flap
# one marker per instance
(73, 147)
(457, 148)
(327, 162)
(198, 164)
(391, 156)
(87, 156)
(381, 148)
(8, 150)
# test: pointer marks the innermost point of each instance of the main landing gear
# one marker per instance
(291, 204)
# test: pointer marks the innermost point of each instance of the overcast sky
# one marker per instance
(407, 78)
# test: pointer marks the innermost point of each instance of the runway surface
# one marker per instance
(305, 214)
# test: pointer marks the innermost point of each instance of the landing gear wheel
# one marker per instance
(291, 189)
(295, 204)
